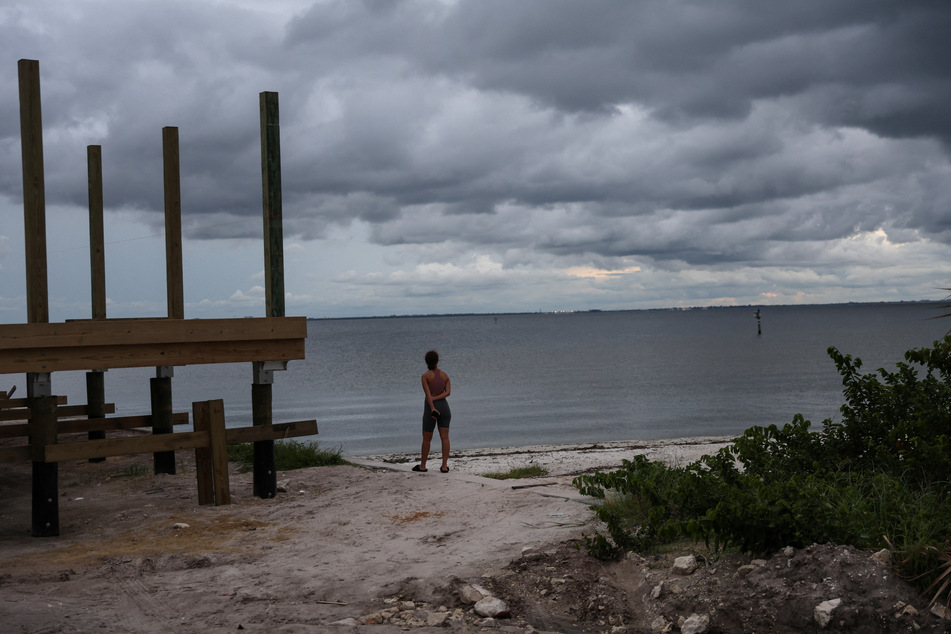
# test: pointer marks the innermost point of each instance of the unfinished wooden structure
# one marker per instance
(39, 348)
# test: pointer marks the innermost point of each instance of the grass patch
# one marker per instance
(288, 455)
(518, 472)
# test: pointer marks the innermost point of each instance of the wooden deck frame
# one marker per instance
(39, 348)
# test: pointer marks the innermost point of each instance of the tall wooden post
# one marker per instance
(173, 224)
(161, 384)
(265, 471)
(42, 404)
(95, 380)
(34, 192)
(273, 206)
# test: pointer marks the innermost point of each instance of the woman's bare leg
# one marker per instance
(444, 439)
(427, 439)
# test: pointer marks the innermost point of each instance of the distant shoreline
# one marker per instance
(907, 302)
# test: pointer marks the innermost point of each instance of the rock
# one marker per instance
(695, 624)
(758, 562)
(657, 591)
(884, 557)
(490, 606)
(437, 619)
(180, 526)
(685, 565)
(530, 553)
(823, 612)
(660, 625)
(350, 622)
(282, 486)
(789, 551)
(471, 594)
(407, 605)
(742, 571)
(490, 622)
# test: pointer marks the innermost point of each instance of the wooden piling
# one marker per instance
(95, 380)
(265, 473)
(96, 404)
(45, 474)
(42, 406)
(265, 467)
(161, 393)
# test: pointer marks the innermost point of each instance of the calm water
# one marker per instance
(554, 378)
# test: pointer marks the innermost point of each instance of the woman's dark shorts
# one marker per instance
(445, 415)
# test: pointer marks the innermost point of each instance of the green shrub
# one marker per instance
(519, 472)
(288, 455)
(876, 478)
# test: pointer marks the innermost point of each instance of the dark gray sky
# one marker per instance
(488, 155)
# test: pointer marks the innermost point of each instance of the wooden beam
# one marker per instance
(173, 224)
(34, 192)
(61, 412)
(20, 453)
(74, 426)
(277, 431)
(84, 449)
(121, 332)
(197, 440)
(11, 403)
(108, 344)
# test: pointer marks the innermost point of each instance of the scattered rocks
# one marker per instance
(685, 565)
(823, 612)
(491, 606)
(695, 624)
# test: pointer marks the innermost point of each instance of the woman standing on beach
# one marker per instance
(436, 412)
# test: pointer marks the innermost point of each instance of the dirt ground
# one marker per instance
(351, 544)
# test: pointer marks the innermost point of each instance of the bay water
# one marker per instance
(546, 378)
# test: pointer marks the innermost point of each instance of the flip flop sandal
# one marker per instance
(416, 468)
(442, 470)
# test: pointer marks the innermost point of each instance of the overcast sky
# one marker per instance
(491, 155)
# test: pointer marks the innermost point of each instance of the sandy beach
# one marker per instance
(562, 460)
(370, 547)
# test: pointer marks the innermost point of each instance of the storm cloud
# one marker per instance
(494, 155)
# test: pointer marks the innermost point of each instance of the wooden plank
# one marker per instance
(84, 449)
(20, 453)
(219, 451)
(203, 468)
(273, 204)
(98, 332)
(34, 191)
(61, 412)
(272, 432)
(74, 426)
(174, 286)
(12, 403)
(146, 355)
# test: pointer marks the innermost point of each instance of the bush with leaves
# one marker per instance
(879, 476)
